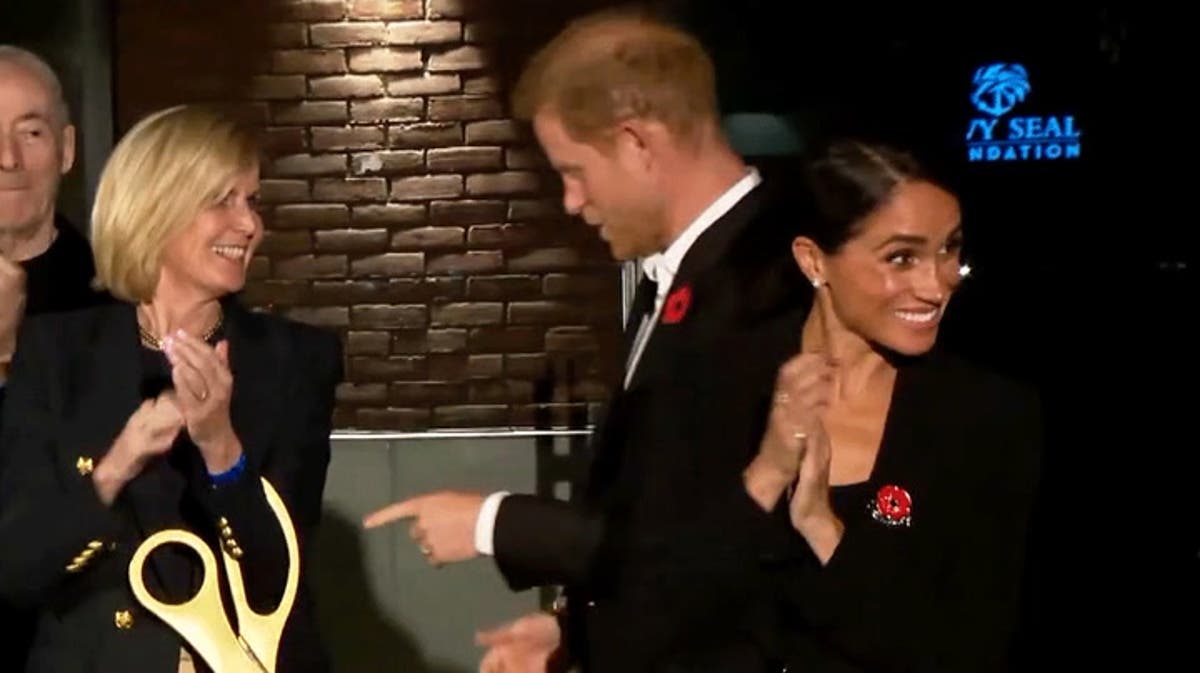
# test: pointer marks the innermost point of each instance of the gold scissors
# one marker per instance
(202, 620)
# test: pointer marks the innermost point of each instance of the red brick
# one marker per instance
(387, 369)
(276, 243)
(474, 314)
(423, 85)
(446, 8)
(367, 343)
(313, 10)
(387, 163)
(287, 35)
(310, 266)
(526, 366)
(425, 135)
(279, 141)
(461, 159)
(562, 285)
(525, 158)
(475, 261)
(260, 268)
(535, 210)
(424, 238)
(308, 112)
(547, 259)
(389, 215)
(392, 419)
(347, 34)
(387, 109)
(328, 316)
(470, 416)
(477, 32)
(357, 138)
(272, 292)
(424, 32)
(347, 86)
(427, 187)
(544, 313)
(509, 182)
(494, 132)
(410, 341)
(389, 264)
(312, 216)
(386, 9)
(485, 366)
(480, 84)
(385, 59)
(465, 212)
(306, 165)
(447, 366)
(464, 108)
(460, 58)
(308, 62)
(503, 236)
(283, 191)
(352, 240)
(571, 340)
(443, 289)
(447, 340)
(500, 392)
(276, 87)
(350, 190)
(503, 288)
(505, 339)
(362, 393)
(379, 316)
(416, 393)
(382, 291)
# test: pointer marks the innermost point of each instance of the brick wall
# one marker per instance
(403, 208)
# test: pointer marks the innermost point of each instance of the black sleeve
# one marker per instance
(52, 523)
(966, 617)
(295, 465)
(541, 541)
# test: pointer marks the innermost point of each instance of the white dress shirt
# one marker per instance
(661, 268)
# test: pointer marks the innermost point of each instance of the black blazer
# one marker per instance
(942, 593)
(655, 552)
(75, 382)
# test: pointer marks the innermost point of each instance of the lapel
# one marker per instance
(707, 253)
(258, 359)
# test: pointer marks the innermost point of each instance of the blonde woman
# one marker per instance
(162, 411)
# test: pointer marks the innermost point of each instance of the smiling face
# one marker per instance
(890, 283)
(36, 149)
(209, 256)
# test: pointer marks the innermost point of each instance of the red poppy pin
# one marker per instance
(892, 506)
(678, 303)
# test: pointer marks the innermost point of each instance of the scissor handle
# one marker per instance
(201, 620)
(262, 632)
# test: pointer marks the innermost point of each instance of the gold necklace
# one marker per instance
(154, 343)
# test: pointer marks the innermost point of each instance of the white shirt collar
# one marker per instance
(662, 267)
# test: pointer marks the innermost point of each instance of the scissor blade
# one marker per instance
(253, 657)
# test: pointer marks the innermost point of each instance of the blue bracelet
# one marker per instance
(230, 475)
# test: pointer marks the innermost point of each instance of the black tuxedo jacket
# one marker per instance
(656, 556)
(76, 380)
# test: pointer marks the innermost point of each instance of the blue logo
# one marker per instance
(998, 89)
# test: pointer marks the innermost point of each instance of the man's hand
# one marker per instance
(12, 309)
(526, 645)
(443, 524)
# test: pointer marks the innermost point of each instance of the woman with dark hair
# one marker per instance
(908, 474)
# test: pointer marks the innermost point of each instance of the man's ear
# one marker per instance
(67, 158)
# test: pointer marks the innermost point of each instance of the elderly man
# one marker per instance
(45, 263)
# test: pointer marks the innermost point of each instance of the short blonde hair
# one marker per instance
(615, 65)
(166, 170)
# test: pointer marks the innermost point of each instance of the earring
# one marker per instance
(964, 270)
(817, 283)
